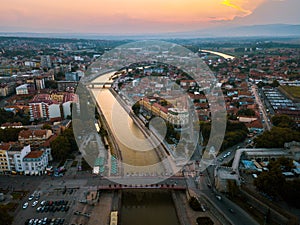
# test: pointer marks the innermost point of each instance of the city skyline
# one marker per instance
(136, 17)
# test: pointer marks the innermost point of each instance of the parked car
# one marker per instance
(25, 205)
(43, 203)
(37, 197)
(31, 197)
(35, 203)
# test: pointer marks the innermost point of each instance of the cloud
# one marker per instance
(239, 8)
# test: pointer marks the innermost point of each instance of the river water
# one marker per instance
(225, 56)
(144, 207)
(138, 154)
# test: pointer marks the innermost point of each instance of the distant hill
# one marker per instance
(259, 30)
(269, 30)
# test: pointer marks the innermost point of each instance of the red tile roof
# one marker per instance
(5, 146)
(34, 155)
(28, 133)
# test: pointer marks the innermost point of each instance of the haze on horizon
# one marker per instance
(141, 16)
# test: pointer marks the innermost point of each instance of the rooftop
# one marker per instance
(33, 133)
(34, 155)
(5, 146)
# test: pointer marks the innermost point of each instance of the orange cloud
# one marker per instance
(237, 7)
(105, 15)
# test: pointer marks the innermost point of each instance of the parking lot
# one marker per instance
(54, 206)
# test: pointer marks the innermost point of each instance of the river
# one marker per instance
(225, 56)
(138, 154)
(148, 208)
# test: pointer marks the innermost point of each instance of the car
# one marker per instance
(31, 197)
(231, 210)
(45, 220)
(37, 197)
(43, 203)
(35, 203)
(219, 197)
(25, 205)
(38, 209)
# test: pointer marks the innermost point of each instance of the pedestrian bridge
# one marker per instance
(98, 85)
(142, 186)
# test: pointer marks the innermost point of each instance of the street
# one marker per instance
(266, 122)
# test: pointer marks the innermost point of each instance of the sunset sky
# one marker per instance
(141, 16)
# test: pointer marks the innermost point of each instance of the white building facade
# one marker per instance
(35, 163)
(16, 156)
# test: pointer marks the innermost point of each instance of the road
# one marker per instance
(238, 216)
(262, 109)
(84, 180)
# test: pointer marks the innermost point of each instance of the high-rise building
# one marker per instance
(45, 61)
(72, 76)
(39, 83)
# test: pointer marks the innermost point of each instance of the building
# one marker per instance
(15, 157)
(69, 86)
(35, 163)
(53, 107)
(3, 90)
(68, 100)
(11, 157)
(4, 164)
(72, 76)
(45, 61)
(23, 89)
(223, 176)
(39, 107)
(54, 111)
(6, 89)
(178, 117)
(39, 83)
(34, 137)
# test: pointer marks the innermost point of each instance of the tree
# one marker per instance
(6, 219)
(51, 84)
(276, 137)
(275, 83)
(9, 134)
(291, 193)
(60, 76)
(270, 182)
(136, 108)
(282, 120)
(69, 134)
(46, 126)
(273, 182)
(246, 112)
(60, 148)
(204, 221)
(195, 204)
(232, 188)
